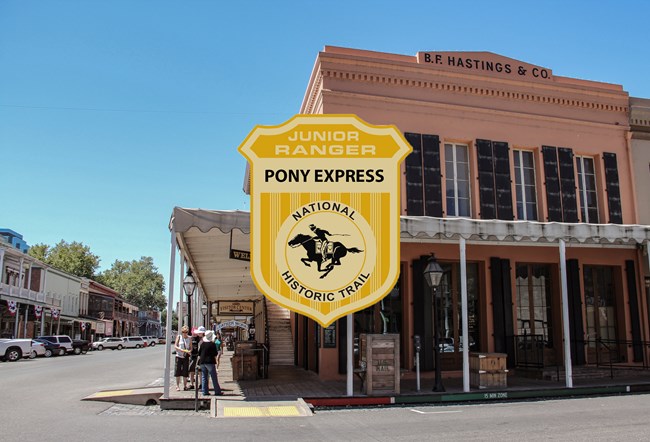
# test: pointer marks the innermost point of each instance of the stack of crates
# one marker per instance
(488, 370)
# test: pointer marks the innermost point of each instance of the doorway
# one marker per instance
(451, 314)
(600, 312)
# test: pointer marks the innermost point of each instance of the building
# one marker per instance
(14, 239)
(522, 185)
(149, 323)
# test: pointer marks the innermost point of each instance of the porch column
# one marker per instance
(170, 300)
(180, 292)
(565, 317)
(463, 302)
(45, 303)
(2, 261)
(25, 321)
(350, 355)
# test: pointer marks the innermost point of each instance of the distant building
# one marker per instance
(14, 239)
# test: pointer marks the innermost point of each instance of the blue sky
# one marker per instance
(113, 112)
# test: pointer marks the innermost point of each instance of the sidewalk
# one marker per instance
(290, 383)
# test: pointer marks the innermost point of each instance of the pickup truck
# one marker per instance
(14, 349)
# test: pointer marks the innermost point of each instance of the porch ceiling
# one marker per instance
(205, 238)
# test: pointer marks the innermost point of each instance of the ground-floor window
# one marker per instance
(451, 313)
(533, 288)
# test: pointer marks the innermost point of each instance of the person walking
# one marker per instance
(194, 355)
(208, 360)
(183, 350)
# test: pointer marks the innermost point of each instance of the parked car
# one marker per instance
(50, 347)
(38, 349)
(14, 349)
(79, 346)
(151, 341)
(162, 340)
(112, 343)
(133, 342)
(64, 341)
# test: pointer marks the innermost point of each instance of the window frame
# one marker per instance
(520, 174)
(583, 191)
(454, 162)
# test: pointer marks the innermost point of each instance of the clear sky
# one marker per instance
(113, 112)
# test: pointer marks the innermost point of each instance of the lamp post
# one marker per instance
(189, 284)
(433, 275)
(204, 310)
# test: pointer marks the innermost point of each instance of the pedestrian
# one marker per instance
(183, 350)
(208, 360)
(194, 355)
(218, 343)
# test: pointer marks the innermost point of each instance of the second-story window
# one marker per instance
(457, 179)
(587, 190)
(525, 185)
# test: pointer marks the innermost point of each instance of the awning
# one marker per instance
(205, 238)
(429, 228)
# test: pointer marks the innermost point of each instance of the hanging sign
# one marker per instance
(325, 201)
(236, 307)
(38, 311)
(13, 307)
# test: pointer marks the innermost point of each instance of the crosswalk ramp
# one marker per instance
(228, 409)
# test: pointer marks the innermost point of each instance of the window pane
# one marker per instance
(463, 207)
(516, 157)
(462, 170)
(529, 176)
(463, 189)
(531, 211)
(528, 159)
(461, 154)
(451, 209)
(449, 169)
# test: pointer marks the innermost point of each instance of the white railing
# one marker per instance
(23, 293)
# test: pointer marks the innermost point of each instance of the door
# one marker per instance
(450, 314)
(600, 306)
(534, 319)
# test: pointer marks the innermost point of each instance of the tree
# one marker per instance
(163, 319)
(138, 281)
(74, 258)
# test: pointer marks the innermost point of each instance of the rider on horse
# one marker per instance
(322, 235)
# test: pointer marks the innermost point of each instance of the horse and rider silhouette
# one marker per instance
(332, 253)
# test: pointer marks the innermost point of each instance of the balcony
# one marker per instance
(28, 295)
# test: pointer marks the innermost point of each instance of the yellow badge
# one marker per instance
(325, 201)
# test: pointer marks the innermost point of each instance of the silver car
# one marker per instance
(112, 343)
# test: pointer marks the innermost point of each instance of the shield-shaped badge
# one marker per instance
(325, 201)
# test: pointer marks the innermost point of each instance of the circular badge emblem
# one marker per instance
(325, 251)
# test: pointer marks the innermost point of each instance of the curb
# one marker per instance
(485, 396)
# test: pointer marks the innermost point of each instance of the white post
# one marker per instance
(463, 301)
(45, 303)
(2, 259)
(180, 296)
(350, 358)
(565, 317)
(25, 321)
(168, 334)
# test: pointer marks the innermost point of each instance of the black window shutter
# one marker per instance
(552, 184)
(342, 325)
(432, 177)
(613, 189)
(486, 179)
(637, 345)
(576, 331)
(414, 202)
(502, 180)
(423, 312)
(567, 185)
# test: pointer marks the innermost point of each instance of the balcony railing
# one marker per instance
(30, 295)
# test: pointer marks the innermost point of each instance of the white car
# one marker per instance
(112, 343)
(151, 341)
(14, 349)
(133, 342)
(38, 349)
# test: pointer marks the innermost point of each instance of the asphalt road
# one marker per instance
(41, 400)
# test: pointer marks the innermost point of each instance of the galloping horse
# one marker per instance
(309, 243)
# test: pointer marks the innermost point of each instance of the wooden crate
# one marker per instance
(380, 355)
(242, 346)
(488, 370)
(244, 367)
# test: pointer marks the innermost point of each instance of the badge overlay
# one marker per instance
(325, 200)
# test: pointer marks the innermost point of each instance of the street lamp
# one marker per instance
(432, 275)
(204, 310)
(189, 284)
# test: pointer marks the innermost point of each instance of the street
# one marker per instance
(41, 400)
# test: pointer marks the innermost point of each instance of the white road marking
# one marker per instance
(436, 412)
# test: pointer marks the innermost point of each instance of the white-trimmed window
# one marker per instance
(587, 190)
(525, 189)
(457, 180)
